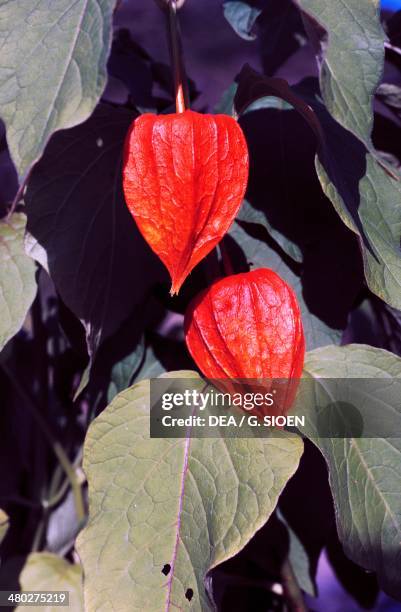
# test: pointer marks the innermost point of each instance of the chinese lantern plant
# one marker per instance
(248, 326)
(185, 176)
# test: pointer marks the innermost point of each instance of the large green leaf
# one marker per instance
(366, 197)
(163, 512)
(47, 572)
(17, 277)
(365, 473)
(52, 69)
(371, 209)
(4, 524)
(81, 230)
(349, 42)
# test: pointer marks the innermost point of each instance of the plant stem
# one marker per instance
(59, 494)
(177, 63)
(292, 592)
(18, 195)
(39, 535)
(227, 264)
(54, 443)
(72, 477)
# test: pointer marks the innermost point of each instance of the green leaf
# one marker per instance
(151, 366)
(241, 18)
(81, 230)
(249, 214)
(164, 512)
(47, 572)
(298, 557)
(225, 105)
(4, 524)
(364, 473)
(52, 69)
(124, 370)
(390, 94)
(17, 277)
(259, 255)
(367, 200)
(83, 383)
(349, 43)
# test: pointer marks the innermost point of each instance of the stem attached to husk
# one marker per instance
(177, 63)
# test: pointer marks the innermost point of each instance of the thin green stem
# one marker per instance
(41, 527)
(39, 535)
(73, 480)
(18, 196)
(56, 494)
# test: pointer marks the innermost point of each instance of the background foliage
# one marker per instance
(86, 318)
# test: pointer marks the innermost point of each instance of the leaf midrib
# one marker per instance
(169, 603)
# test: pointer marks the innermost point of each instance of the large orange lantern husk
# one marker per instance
(184, 177)
(248, 326)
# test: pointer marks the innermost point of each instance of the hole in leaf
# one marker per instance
(166, 569)
(189, 594)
